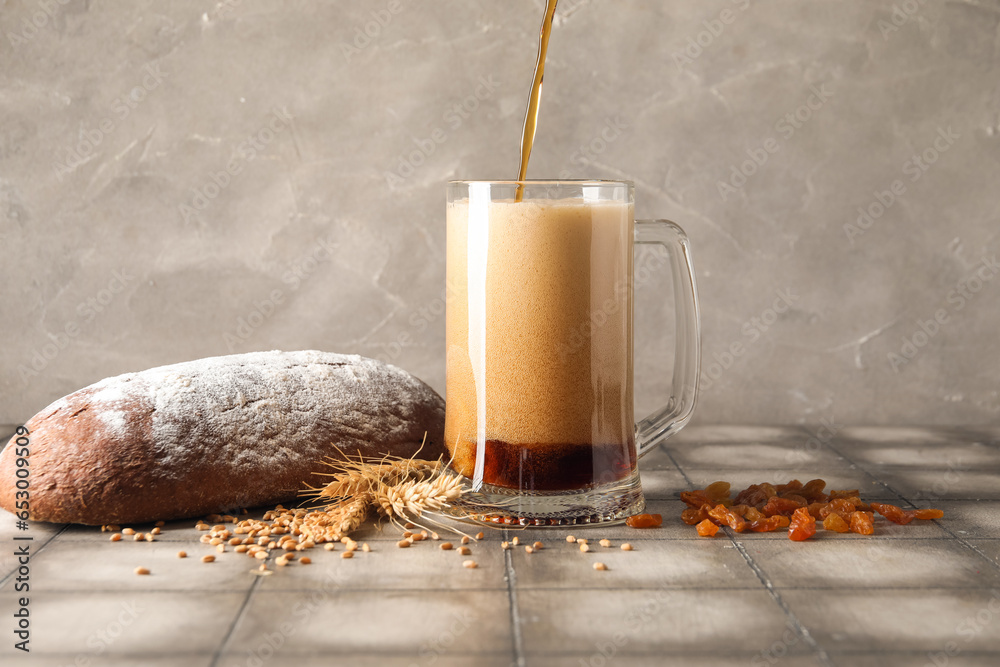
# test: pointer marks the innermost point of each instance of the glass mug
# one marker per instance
(539, 416)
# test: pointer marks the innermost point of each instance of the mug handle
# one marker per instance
(657, 427)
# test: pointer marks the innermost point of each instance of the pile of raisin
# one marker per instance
(764, 508)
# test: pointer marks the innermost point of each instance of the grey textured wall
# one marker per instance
(126, 244)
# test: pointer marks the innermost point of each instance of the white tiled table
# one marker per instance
(905, 596)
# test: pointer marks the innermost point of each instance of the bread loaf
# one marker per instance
(217, 434)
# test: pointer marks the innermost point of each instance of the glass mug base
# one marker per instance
(501, 506)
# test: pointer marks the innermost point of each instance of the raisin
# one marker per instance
(696, 499)
(859, 505)
(793, 485)
(753, 514)
(768, 490)
(718, 492)
(893, 513)
(740, 509)
(927, 514)
(839, 506)
(849, 493)
(707, 529)
(796, 498)
(692, 516)
(802, 526)
(752, 495)
(863, 523)
(836, 523)
(778, 505)
(724, 515)
(815, 509)
(813, 490)
(768, 524)
(644, 521)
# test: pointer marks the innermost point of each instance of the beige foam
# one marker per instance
(550, 377)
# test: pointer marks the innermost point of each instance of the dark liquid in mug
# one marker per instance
(562, 467)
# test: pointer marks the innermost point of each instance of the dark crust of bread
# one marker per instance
(216, 435)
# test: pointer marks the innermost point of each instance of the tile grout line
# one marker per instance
(677, 466)
(799, 628)
(3, 582)
(515, 614)
(802, 630)
(969, 545)
(241, 612)
(957, 538)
